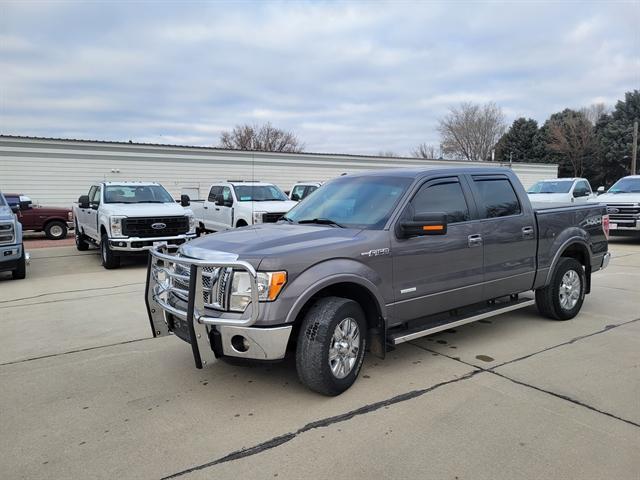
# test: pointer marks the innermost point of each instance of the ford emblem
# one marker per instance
(158, 226)
(613, 210)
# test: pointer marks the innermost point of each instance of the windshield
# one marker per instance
(259, 193)
(136, 194)
(626, 185)
(551, 187)
(355, 202)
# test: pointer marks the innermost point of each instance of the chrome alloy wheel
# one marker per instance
(570, 288)
(56, 231)
(344, 347)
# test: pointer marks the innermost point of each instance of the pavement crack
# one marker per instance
(608, 328)
(74, 299)
(325, 422)
(70, 291)
(565, 397)
(73, 351)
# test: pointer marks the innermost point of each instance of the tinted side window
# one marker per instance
(92, 192)
(582, 188)
(298, 192)
(497, 197)
(215, 191)
(444, 197)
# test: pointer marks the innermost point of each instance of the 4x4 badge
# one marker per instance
(376, 252)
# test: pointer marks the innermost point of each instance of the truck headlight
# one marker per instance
(257, 217)
(192, 222)
(269, 286)
(116, 226)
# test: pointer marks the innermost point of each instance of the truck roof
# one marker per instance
(420, 171)
(241, 182)
(142, 184)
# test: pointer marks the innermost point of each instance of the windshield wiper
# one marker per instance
(147, 201)
(322, 221)
(286, 219)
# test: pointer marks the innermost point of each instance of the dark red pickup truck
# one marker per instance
(53, 221)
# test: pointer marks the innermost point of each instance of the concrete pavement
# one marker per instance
(87, 394)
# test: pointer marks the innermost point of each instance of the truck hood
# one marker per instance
(145, 209)
(267, 240)
(276, 206)
(618, 198)
(43, 210)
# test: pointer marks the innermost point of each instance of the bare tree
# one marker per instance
(263, 138)
(424, 150)
(471, 131)
(573, 137)
(594, 111)
(387, 153)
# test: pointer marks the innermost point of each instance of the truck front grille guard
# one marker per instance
(163, 280)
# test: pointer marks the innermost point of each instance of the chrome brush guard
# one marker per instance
(166, 281)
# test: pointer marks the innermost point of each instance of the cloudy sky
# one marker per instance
(352, 77)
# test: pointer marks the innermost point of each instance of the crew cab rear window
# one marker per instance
(497, 197)
(444, 197)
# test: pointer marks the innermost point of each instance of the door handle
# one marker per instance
(527, 232)
(205, 207)
(217, 209)
(474, 240)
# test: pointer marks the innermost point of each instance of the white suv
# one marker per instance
(237, 203)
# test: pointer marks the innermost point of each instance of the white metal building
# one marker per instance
(57, 171)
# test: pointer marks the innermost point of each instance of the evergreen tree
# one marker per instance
(518, 142)
(614, 135)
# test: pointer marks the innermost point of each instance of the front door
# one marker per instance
(221, 215)
(91, 224)
(437, 273)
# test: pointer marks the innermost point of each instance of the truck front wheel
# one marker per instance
(21, 270)
(55, 230)
(562, 299)
(109, 258)
(331, 345)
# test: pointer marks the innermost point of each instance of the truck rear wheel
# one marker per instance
(81, 242)
(562, 299)
(109, 258)
(331, 345)
(21, 270)
(55, 230)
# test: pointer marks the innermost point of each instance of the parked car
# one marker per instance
(375, 259)
(561, 190)
(238, 203)
(53, 221)
(129, 217)
(13, 257)
(623, 205)
(302, 190)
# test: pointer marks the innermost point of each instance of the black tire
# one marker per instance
(21, 270)
(315, 341)
(109, 258)
(55, 230)
(548, 299)
(81, 243)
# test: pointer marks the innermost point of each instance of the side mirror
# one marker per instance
(26, 205)
(580, 193)
(423, 224)
(185, 201)
(295, 197)
(221, 202)
(15, 208)
(83, 201)
(600, 190)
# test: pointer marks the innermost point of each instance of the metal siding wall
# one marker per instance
(56, 172)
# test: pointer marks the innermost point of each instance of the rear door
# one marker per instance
(509, 236)
(441, 272)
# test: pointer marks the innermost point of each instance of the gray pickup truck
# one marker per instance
(372, 260)
(13, 257)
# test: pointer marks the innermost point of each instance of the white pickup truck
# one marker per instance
(561, 190)
(129, 217)
(623, 206)
(237, 203)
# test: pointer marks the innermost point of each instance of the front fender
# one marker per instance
(323, 275)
